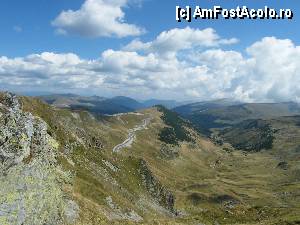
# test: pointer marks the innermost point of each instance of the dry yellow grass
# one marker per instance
(203, 178)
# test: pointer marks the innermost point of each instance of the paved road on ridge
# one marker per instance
(131, 135)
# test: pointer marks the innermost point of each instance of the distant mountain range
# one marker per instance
(204, 115)
(96, 104)
(222, 113)
(246, 126)
(205, 105)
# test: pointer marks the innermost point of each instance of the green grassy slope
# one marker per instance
(208, 185)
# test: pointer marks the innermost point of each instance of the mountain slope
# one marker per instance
(153, 181)
(208, 115)
(31, 180)
(203, 106)
(127, 102)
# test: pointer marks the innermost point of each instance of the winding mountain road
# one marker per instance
(131, 135)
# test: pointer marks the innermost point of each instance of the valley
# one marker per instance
(148, 167)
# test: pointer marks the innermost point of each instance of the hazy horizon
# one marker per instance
(186, 101)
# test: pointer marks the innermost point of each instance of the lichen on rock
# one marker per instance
(30, 191)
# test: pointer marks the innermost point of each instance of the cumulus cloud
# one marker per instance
(172, 41)
(47, 71)
(276, 69)
(97, 18)
(267, 71)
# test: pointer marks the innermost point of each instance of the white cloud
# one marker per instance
(55, 59)
(275, 70)
(172, 41)
(96, 18)
(47, 71)
(269, 71)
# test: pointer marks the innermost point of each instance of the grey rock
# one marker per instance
(30, 187)
(283, 165)
(160, 193)
(71, 212)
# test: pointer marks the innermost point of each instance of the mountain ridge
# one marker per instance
(154, 180)
(114, 105)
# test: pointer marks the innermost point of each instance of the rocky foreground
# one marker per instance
(30, 178)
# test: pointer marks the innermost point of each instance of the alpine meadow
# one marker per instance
(147, 112)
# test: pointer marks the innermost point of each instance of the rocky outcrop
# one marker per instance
(117, 213)
(169, 152)
(283, 165)
(16, 132)
(30, 179)
(160, 193)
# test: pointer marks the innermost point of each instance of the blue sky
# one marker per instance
(35, 16)
(141, 51)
